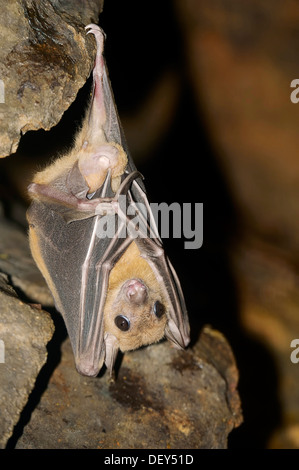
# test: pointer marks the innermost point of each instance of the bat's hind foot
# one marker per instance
(97, 32)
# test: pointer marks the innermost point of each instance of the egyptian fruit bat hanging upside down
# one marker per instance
(115, 290)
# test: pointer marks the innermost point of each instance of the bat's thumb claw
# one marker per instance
(111, 378)
(31, 188)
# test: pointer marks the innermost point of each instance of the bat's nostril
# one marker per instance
(136, 291)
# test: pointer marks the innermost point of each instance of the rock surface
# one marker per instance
(16, 261)
(45, 58)
(162, 398)
(24, 334)
(24, 330)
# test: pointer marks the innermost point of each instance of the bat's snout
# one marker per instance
(135, 291)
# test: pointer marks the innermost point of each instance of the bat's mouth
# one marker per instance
(135, 291)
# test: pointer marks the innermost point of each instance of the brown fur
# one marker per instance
(145, 327)
(37, 256)
(85, 144)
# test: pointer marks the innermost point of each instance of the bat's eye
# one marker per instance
(159, 309)
(122, 323)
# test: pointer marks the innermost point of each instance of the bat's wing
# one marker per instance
(151, 248)
(76, 261)
(177, 329)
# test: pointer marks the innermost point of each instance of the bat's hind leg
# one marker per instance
(99, 34)
(98, 112)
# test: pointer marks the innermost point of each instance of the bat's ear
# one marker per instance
(112, 348)
(174, 335)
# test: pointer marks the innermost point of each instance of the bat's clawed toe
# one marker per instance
(94, 29)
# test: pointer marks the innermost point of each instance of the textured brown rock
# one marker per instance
(16, 261)
(24, 334)
(24, 330)
(45, 59)
(162, 398)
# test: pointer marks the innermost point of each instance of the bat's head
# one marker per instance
(135, 310)
(137, 315)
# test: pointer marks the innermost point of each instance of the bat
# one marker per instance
(94, 238)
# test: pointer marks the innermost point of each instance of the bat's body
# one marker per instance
(114, 292)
